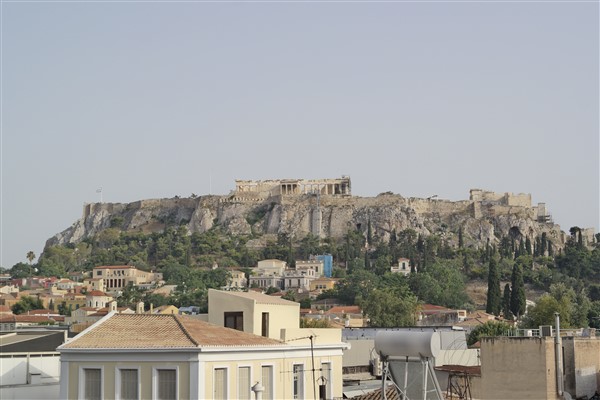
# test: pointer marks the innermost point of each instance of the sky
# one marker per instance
(157, 99)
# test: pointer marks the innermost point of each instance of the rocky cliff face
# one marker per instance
(327, 216)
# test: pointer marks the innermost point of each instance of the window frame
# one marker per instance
(328, 384)
(300, 386)
(238, 316)
(272, 379)
(118, 369)
(239, 366)
(81, 385)
(155, 370)
(226, 369)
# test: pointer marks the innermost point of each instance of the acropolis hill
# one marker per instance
(325, 208)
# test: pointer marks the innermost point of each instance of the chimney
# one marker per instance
(113, 306)
(151, 308)
(139, 308)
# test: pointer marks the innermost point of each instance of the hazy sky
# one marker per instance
(156, 99)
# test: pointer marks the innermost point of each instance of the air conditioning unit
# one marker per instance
(529, 332)
(545, 330)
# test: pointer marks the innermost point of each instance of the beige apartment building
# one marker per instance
(148, 356)
(116, 277)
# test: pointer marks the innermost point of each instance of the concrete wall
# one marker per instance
(582, 366)
(517, 368)
(46, 391)
(14, 369)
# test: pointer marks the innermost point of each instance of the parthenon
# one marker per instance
(275, 187)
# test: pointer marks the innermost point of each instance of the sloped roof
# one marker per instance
(390, 394)
(344, 310)
(97, 293)
(162, 331)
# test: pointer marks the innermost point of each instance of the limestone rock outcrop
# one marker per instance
(328, 216)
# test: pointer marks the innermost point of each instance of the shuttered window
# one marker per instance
(220, 384)
(244, 383)
(129, 384)
(267, 381)
(167, 384)
(93, 384)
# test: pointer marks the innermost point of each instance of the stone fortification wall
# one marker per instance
(507, 199)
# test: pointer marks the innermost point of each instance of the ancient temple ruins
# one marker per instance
(279, 187)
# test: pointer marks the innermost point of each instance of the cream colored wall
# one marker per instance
(221, 302)
(280, 317)
(517, 368)
(282, 374)
(146, 370)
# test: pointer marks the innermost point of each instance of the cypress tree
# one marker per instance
(544, 244)
(528, 246)
(517, 296)
(461, 242)
(506, 303)
(494, 299)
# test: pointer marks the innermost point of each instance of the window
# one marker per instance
(128, 384)
(234, 320)
(326, 373)
(267, 381)
(298, 384)
(92, 384)
(166, 384)
(220, 384)
(244, 383)
(265, 324)
(98, 273)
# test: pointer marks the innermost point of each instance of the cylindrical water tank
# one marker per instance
(407, 343)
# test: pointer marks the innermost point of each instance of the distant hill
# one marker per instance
(484, 218)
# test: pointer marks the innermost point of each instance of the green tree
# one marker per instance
(517, 296)
(314, 323)
(30, 257)
(27, 303)
(490, 328)
(506, 303)
(494, 300)
(543, 313)
(385, 308)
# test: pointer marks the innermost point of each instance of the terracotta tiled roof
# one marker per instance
(4, 319)
(5, 309)
(33, 318)
(136, 331)
(97, 293)
(40, 312)
(390, 394)
(344, 310)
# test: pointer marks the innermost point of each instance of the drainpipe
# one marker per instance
(558, 355)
